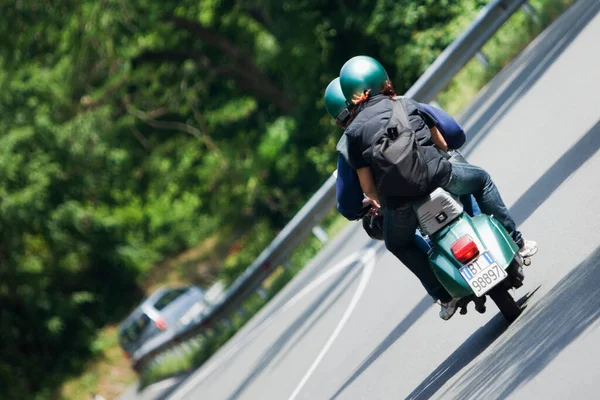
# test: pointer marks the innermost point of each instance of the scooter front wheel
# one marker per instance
(505, 302)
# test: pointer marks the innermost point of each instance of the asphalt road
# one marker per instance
(355, 324)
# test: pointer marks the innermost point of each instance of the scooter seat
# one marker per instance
(437, 210)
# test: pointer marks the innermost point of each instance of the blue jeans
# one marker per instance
(470, 179)
(468, 201)
(400, 224)
(470, 205)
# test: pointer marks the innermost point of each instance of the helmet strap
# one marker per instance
(343, 117)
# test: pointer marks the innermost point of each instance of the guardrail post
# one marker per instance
(227, 323)
(216, 329)
(320, 233)
(159, 358)
(261, 291)
(195, 343)
(242, 312)
(179, 351)
(531, 11)
(483, 59)
(187, 345)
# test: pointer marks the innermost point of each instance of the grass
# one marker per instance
(110, 375)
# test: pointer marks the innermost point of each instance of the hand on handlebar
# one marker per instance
(374, 209)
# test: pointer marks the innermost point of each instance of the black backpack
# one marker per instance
(399, 162)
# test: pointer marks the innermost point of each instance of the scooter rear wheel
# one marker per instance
(505, 302)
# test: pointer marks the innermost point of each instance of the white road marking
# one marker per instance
(205, 372)
(368, 260)
(346, 262)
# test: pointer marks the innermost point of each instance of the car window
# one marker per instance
(168, 298)
(133, 331)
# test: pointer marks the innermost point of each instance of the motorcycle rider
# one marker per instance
(365, 81)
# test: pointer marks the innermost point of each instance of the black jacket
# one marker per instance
(375, 113)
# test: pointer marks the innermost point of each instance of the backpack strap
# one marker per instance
(400, 111)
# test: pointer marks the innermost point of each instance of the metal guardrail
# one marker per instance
(462, 49)
(435, 78)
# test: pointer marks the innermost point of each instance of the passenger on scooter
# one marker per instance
(351, 201)
(365, 80)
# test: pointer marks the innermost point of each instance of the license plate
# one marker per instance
(483, 274)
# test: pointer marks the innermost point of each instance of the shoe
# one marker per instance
(528, 249)
(448, 309)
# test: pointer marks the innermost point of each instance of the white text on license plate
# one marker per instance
(483, 274)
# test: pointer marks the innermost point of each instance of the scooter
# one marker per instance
(472, 257)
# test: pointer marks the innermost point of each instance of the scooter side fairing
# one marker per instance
(489, 236)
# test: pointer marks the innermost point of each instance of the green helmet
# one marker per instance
(335, 102)
(361, 73)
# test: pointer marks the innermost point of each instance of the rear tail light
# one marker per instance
(160, 323)
(465, 249)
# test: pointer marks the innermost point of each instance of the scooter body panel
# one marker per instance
(489, 236)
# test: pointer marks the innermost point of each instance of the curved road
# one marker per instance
(355, 324)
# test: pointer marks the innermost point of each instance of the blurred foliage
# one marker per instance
(133, 130)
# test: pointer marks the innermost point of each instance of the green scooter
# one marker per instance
(473, 257)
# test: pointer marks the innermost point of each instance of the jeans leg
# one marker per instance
(469, 179)
(422, 243)
(468, 200)
(399, 236)
(470, 205)
(475, 210)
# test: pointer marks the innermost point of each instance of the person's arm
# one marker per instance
(367, 183)
(438, 139)
(428, 117)
(349, 194)
(451, 131)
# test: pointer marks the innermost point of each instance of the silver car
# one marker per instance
(167, 309)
